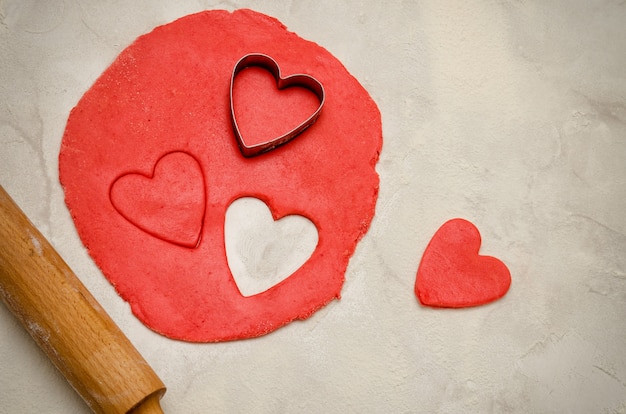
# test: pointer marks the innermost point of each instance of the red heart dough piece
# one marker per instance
(453, 275)
(169, 91)
(168, 203)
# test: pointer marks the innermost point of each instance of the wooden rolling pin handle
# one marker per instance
(69, 325)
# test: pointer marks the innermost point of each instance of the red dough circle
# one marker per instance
(169, 93)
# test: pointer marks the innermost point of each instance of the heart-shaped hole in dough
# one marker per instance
(261, 251)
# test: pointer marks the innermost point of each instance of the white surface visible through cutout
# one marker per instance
(262, 252)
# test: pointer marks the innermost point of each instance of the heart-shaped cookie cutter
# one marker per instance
(302, 80)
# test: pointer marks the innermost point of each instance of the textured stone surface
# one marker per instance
(511, 115)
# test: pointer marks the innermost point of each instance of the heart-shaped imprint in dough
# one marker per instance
(262, 251)
(168, 202)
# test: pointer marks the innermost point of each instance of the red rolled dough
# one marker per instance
(167, 93)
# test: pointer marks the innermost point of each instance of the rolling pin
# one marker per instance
(68, 324)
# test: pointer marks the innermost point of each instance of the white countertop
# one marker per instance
(510, 114)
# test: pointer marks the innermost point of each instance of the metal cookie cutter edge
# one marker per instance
(303, 80)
